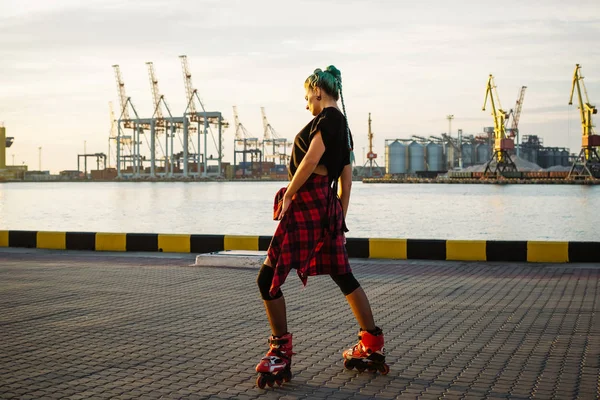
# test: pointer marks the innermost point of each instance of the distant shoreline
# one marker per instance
(503, 181)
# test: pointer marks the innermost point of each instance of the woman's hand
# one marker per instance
(287, 200)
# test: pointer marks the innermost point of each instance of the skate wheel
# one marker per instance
(270, 383)
(349, 365)
(361, 368)
(261, 381)
(279, 382)
(287, 376)
(385, 369)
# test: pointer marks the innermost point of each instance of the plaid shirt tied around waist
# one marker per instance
(310, 236)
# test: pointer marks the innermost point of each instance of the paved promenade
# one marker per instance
(91, 325)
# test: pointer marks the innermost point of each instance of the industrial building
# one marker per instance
(420, 156)
(532, 149)
(9, 172)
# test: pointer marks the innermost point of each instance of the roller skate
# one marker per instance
(367, 354)
(275, 366)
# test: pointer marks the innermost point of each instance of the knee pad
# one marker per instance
(346, 282)
(264, 280)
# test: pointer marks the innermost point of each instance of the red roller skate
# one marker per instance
(367, 354)
(275, 366)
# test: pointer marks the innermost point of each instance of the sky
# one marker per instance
(408, 63)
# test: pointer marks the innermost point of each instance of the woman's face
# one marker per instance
(312, 104)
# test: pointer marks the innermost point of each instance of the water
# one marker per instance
(424, 211)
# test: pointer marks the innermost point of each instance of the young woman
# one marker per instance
(310, 235)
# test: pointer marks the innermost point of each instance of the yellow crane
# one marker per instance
(502, 143)
(587, 163)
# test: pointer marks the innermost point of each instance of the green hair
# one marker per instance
(330, 81)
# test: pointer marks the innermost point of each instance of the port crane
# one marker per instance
(100, 160)
(513, 131)
(204, 121)
(587, 163)
(277, 143)
(195, 118)
(502, 143)
(249, 145)
(203, 117)
(156, 96)
(371, 156)
(125, 102)
(123, 99)
(189, 88)
(191, 95)
(161, 123)
(125, 140)
(134, 124)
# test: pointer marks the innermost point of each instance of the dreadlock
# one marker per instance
(330, 81)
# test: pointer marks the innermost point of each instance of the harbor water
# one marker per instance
(416, 211)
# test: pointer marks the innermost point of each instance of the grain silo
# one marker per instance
(396, 158)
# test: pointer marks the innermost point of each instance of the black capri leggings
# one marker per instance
(346, 282)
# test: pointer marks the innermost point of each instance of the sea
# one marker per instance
(377, 210)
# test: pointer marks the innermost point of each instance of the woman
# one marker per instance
(310, 235)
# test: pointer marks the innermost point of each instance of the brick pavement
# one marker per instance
(88, 325)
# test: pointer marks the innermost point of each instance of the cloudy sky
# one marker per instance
(409, 63)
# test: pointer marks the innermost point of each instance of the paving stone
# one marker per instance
(86, 325)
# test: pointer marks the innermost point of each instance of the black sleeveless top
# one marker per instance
(332, 124)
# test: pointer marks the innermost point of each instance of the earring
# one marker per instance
(319, 98)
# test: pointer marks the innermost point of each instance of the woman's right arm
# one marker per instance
(345, 187)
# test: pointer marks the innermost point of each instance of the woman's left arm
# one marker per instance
(307, 166)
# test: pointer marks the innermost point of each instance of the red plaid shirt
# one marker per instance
(310, 236)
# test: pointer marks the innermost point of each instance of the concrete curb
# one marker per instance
(380, 248)
(231, 258)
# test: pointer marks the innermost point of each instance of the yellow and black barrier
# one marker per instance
(408, 249)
